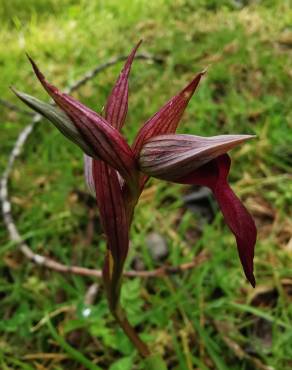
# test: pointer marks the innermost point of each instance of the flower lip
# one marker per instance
(214, 175)
(172, 156)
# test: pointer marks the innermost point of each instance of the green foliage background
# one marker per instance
(208, 318)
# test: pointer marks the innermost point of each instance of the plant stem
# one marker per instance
(122, 320)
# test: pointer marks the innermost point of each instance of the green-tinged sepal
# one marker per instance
(59, 118)
(172, 156)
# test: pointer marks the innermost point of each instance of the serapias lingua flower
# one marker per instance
(117, 172)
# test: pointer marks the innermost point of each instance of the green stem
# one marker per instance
(112, 276)
(122, 320)
(113, 287)
(152, 361)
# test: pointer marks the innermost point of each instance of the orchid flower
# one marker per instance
(117, 172)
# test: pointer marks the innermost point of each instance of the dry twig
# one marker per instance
(78, 270)
(15, 108)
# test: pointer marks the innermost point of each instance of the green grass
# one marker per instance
(247, 90)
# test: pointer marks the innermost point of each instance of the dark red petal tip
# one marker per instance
(214, 175)
(36, 70)
(166, 120)
(117, 103)
(241, 224)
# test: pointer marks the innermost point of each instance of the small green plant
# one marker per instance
(116, 173)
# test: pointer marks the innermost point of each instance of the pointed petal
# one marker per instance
(59, 118)
(172, 156)
(115, 225)
(108, 191)
(117, 103)
(166, 120)
(112, 210)
(214, 175)
(105, 140)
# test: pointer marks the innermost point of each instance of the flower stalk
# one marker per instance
(122, 320)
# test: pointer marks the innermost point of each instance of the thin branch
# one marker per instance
(85, 78)
(91, 74)
(15, 108)
(12, 229)
(51, 264)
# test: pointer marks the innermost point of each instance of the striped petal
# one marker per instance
(109, 192)
(112, 211)
(104, 140)
(172, 156)
(117, 103)
(166, 120)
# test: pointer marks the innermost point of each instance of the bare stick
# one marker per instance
(89, 75)
(12, 229)
(51, 264)
(85, 78)
(15, 108)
